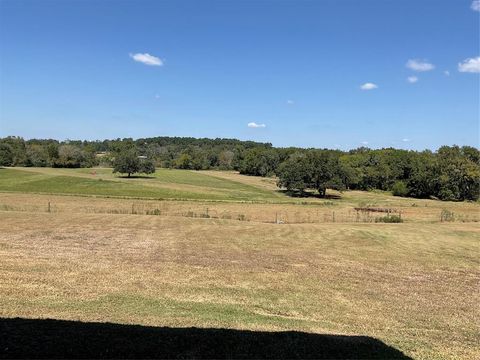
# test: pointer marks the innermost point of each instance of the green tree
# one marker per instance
(37, 155)
(147, 166)
(325, 171)
(317, 169)
(128, 162)
(184, 161)
(70, 156)
(225, 160)
(6, 155)
(293, 173)
(260, 162)
(52, 154)
(422, 174)
(351, 171)
(458, 178)
(17, 146)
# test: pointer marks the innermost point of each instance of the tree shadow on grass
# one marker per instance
(309, 194)
(136, 177)
(45, 338)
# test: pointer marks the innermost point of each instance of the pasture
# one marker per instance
(205, 249)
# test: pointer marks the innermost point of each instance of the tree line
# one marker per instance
(450, 173)
(167, 152)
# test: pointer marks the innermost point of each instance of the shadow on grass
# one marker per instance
(135, 177)
(309, 194)
(44, 338)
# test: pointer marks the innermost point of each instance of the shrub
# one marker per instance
(399, 189)
(446, 195)
(447, 215)
(389, 219)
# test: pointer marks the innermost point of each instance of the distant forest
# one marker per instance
(450, 173)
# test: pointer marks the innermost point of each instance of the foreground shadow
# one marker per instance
(32, 338)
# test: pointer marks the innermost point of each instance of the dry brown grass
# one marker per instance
(93, 258)
(414, 287)
(319, 211)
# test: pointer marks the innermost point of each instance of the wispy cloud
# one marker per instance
(147, 59)
(471, 65)
(475, 5)
(290, 102)
(419, 65)
(412, 79)
(369, 86)
(447, 73)
(364, 142)
(255, 125)
(406, 140)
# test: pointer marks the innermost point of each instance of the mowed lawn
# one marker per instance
(164, 184)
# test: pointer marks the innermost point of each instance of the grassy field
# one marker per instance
(188, 249)
(164, 184)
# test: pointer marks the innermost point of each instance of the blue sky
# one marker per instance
(325, 73)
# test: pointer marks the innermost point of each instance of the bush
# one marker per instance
(389, 219)
(447, 215)
(399, 189)
(446, 195)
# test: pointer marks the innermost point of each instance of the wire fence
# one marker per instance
(300, 216)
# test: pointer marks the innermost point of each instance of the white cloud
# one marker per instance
(364, 142)
(147, 59)
(475, 5)
(290, 102)
(447, 73)
(157, 96)
(368, 86)
(406, 140)
(255, 125)
(471, 65)
(419, 65)
(412, 79)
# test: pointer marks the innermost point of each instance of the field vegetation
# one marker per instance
(450, 173)
(215, 249)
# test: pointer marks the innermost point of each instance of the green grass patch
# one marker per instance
(166, 184)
